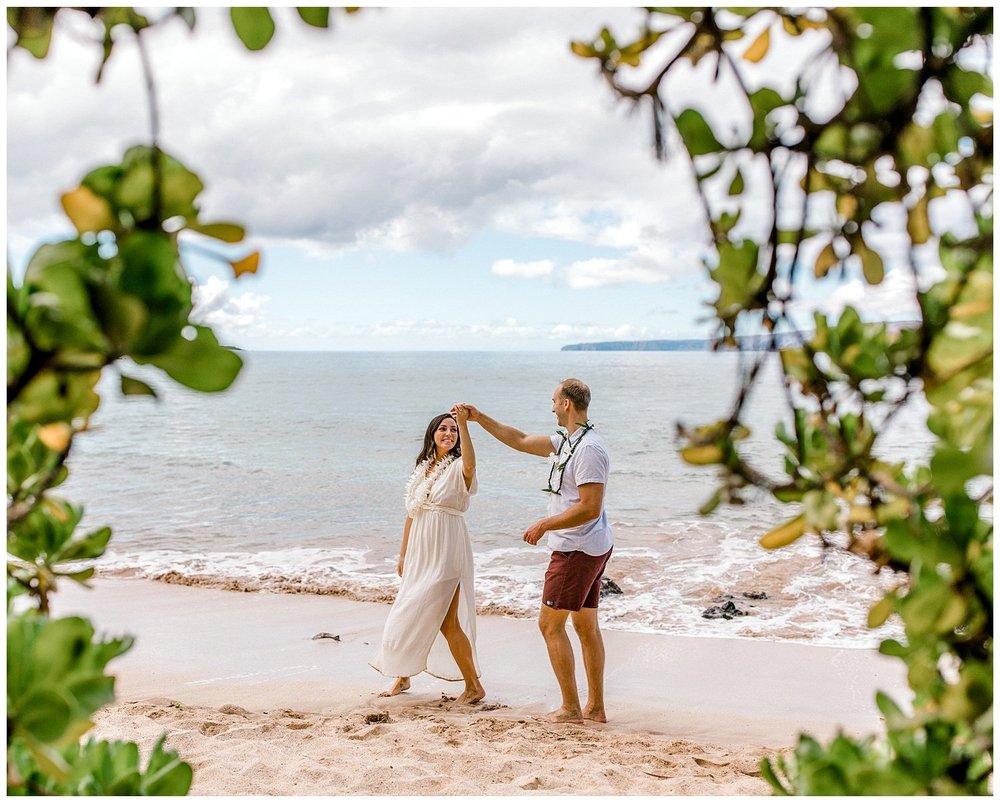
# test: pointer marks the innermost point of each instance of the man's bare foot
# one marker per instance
(595, 715)
(401, 684)
(472, 695)
(564, 715)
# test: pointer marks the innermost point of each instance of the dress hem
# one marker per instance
(422, 671)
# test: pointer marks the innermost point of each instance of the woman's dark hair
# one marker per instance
(429, 448)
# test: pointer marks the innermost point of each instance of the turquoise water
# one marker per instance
(293, 480)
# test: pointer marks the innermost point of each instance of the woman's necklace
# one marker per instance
(433, 463)
(418, 489)
(561, 467)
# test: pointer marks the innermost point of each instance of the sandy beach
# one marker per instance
(260, 707)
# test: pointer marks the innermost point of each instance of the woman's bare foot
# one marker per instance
(564, 715)
(595, 715)
(401, 684)
(473, 695)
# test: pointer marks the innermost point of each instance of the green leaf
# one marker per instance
(827, 259)
(952, 468)
(710, 504)
(696, 133)
(737, 277)
(136, 387)
(893, 713)
(762, 103)
(886, 86)
(767, 771)
(59, 313)
(736, 187)
(52, 396)
(918, 224)
(90, 546)
(317, 17)
(253, 26)
(871, 262)
(893, 648)
(821, 510)
(960, 85)
(151, 269)
(784, 534)
(134, 191)
(922, 608)
(201, 364)
(44, 714)
(33, 27)
(226, 232)
(881, 611)
(187, 14)
(165, 773)
(832, 143)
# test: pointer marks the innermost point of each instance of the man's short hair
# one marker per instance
(577, 392)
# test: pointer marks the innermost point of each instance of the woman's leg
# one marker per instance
(461, 649)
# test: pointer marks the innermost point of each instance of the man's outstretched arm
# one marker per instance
(540, 445)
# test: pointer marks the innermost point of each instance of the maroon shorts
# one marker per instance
(573, 580)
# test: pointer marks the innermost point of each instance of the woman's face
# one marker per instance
(446, 435)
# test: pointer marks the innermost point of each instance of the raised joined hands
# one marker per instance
(465, 412)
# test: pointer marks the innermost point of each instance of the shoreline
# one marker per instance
(753, 610)
(238, 682)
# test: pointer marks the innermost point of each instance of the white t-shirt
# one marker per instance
(589, 463)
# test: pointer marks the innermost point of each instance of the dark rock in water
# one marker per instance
(325, 635)
(744, 594)
(727, 610)
(609, 586)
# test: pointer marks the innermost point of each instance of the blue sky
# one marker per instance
(446, 178)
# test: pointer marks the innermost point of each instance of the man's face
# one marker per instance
(560, 406)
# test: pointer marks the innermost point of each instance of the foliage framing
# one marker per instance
(913, 126)
(116, 291)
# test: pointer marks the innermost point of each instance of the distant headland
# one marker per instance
(746, 342)
(752, 342)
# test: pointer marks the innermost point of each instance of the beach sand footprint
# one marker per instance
(419, 748)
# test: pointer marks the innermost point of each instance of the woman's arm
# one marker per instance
(468, 450)
(402, 549)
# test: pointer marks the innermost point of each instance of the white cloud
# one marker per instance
(214, 307)
(523, 270)
(892, 300)
(594, 332)
(404, 129)
(591, 273)
(430, 331)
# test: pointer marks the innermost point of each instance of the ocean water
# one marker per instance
(292, 481)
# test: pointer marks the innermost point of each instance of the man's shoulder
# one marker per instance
(592, 447)
(594, 440)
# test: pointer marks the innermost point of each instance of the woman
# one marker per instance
(432, 624)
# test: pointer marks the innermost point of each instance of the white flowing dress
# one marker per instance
(438, 560)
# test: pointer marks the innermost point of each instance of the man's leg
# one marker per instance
(592, 645)
(552, 623)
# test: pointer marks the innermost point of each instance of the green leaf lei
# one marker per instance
(586, 427)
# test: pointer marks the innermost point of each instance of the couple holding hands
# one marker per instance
(432, 623)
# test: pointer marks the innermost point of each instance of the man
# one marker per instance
(580, 539)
